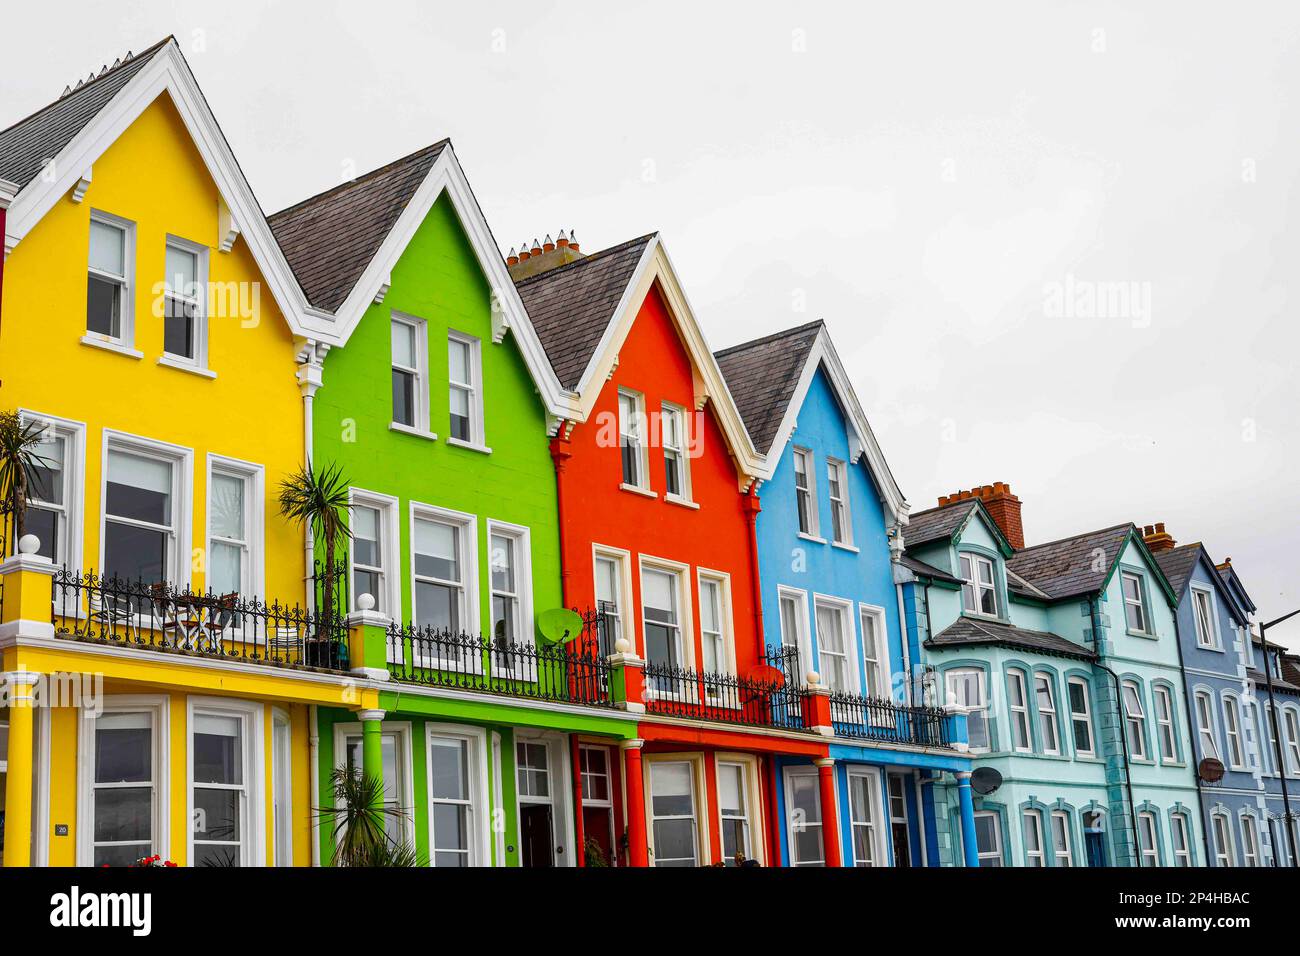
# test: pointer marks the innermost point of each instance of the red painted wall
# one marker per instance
(715, 536)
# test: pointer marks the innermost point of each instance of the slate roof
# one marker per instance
(936, 524)
(762, 376)
(1070, 567)
(967, 631)
(917, 566)
(26, 145)
(571, 305)
(1177, 564)
(330, 238)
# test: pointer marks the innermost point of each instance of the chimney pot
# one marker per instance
(548, 244)
(1157, 539)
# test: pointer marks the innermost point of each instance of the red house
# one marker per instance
(656, 488)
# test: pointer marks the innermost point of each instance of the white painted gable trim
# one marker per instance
(710, 387)
(508, 310)
(8, 191)
(168, 72)
(862, 440)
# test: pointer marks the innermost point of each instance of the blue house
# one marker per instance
(830, 514)
(1227, 729)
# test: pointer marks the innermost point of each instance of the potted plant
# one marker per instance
(19, 462)
(357, 822)
(317, 501)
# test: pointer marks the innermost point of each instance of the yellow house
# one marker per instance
(158, 697)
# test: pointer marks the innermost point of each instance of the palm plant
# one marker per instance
(318, 501)
(19, 464)
(358, 817)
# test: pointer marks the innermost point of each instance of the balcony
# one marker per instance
(770, 698)
(170, 620)
(884, 721)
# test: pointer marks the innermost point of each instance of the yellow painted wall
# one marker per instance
(252, 411)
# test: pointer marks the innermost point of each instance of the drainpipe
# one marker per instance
(1128, 779)
(896, 552)
(310, 377)
(1277, 737)
(1187, 715)
(313, 774)
(751, 506)
(561, 452)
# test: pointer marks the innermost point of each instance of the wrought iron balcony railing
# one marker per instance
(872, 718)
(775, 699)
(162, 617)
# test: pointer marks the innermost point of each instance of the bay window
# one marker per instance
(978, 588)
(965, 686)
(833, 629)
(220, 766)
(1045, 695)
(1135, 721)
(673, 813)
(734, 811)
(865, 818)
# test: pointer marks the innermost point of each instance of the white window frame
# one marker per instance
(623, 619)
(809, 460)
(1225, 850)
(982, 707)
(686, 622)
(71, 513)
(523, 596)
(1166, 726)
(844, 609)
(837, 471)
(282, 786)
(1180, 832)
(881, 686)
(1249, 841)
(468, 537)
(752, 817)
(1235, 749)
(158, 707)
(1148, 826)
(401, 732)
(1033, 821)
(1084, 716)
(698, 816)
(600, 803)
(253, 564)
(1140, 602)
(974, 587)
(390, 574)
(125, 340)
(1207, 627)
(1048, 717)
(726, 654)
(880, 818)
(253, 790)
(1061, 819)
(996, 852)
(477, 426)
(1205, 736)
(1020, 723)
(479, 811)
(1291, 732)
(419, 374)
(801, 639)
(669, 411)
(200, 331)
(182, 461)
(1134, 719)
(788, 791)
(633, 432)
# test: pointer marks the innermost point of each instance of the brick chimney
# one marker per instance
(542, 256)
(1157, 539)
(1003, 507)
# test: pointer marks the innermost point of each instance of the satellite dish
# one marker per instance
(765, 674)
(559, 625)
(984, 780)
(1210, 770)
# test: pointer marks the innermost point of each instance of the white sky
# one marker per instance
(915, 174)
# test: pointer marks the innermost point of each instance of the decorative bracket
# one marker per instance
(81, 185)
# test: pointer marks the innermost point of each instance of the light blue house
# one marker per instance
(1066, 658)
(829, 512)
(1228, 730)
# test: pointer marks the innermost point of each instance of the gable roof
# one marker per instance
(587, 308)
(1232, 581)
(1178, 564)
(1070, 568)
(965, 632)
(77, 129)
(937, 524)
(330, 238)
(572, 305)
(763, 375)
(772, 376)
(28, 144)
(919, 567)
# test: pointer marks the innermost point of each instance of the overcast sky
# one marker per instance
(944, 184)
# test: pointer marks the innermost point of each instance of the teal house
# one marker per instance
(1065, 658)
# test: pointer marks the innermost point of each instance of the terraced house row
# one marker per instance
(596, 595)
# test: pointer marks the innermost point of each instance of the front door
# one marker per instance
(900, 834)
(536, 836)
(542, 772)
(1094, 839)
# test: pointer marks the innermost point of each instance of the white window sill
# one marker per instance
(636, 489)
(183, 366)
(811, 537)
(108, 345)
(683, 502)
(845, 547)
(469, 446)
(409, 430)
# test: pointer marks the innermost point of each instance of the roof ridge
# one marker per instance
(593, 257)
(951, 504)
(143, 54)
(773, 336)
(362, 179)
(1072, 537)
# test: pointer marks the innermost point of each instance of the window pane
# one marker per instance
(403, 340)
(217, 751)
(103, 307)
(228, 507)
(124, 813)
(123, 748)
(135, 554)
(225, 568)
(365, 537)
(458, 361)
(437, 553)
(139, 488)
(447, 766)
(403, 398)
(178, 328)
(437, 606)
(47, 484)
(503, 563)
(670, 785)
(181, 271)
(107, 248)
(216, 815)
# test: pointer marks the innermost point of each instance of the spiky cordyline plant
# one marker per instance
(18, 467)
(358, 818)
(318, 500)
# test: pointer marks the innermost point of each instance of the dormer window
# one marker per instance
(978, 591)
(1135, 608)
